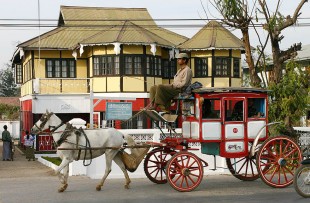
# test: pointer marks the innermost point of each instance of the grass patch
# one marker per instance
(54, 160)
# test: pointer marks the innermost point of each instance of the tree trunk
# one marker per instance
(255, 80)
(277, 63)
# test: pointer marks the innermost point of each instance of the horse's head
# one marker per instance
(45, 122)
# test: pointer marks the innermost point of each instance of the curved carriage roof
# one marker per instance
(229, 89)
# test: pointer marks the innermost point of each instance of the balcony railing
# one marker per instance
(56, 86)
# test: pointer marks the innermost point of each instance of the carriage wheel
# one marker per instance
(277, 160)
(244, 168)
(184, 171)
(302, 180)
(155, 165)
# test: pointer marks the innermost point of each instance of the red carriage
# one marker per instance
(226, 122)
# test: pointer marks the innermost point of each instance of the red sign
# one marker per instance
(235, 130)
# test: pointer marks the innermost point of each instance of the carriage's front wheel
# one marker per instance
(277, 160)
(155, 165)
(184, 171)
(302, 180)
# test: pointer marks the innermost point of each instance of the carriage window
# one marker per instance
(234, 110)
(211, 108)
(256, 107)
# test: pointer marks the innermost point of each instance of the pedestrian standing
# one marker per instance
(28, 142)
(7, 139)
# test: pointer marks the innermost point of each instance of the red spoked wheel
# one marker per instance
(244, 168)
(277, 160)
(184, 171)
(155, 165)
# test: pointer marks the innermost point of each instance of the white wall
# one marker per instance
(13, 128)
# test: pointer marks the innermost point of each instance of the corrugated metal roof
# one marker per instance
(212, 36)
(84, 25)
(127, 33)
(102, 16)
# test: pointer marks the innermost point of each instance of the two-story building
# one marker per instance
(99, 55)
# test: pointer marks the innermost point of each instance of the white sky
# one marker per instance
(158, 9)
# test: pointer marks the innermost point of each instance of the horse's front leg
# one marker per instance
(109, 155)
(63, 177)
(118, 160)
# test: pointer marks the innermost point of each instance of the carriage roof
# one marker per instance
(230, 89)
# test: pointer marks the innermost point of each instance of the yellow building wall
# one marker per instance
(150, 81)
(132, 49)
(221, 53)
(236, 53)
(133, 84)
(158, 50)
(236, 82)
(90, 65)
(99, 84)
(207, 53)
(206, 82)
(221, 82)
(114, 84)
(81, 68)
(26, 88)
(98, 50)
(39, 68)
(47, 54)
(110, 49)
(68, 54)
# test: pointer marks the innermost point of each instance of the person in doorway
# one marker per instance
(7, 139)
(161, 95)
(28, 142)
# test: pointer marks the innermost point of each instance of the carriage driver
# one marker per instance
(161, 95)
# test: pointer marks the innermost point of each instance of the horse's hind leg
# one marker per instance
(118, 160)
(109, 155)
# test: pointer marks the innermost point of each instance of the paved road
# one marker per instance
(23, 181)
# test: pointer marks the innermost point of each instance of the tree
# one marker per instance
(290, 97)
(236, 13)
(8, 87)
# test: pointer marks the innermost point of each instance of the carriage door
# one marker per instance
(233, 128)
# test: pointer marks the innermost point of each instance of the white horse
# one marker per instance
(108, 140)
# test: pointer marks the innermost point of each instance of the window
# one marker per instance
(236, 68)
(234, 110)
(153, 66)
(169, 68)
(19, 74)
(60, 68)
(105, 65)
(211, 108)
(222, 66)
(133, 65)
(201, 67)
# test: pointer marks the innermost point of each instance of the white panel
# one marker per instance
(61, 104)
(195, 130)
(211, 131)
(233, 131)
(233, 147)
(186, 129)
(254, 127)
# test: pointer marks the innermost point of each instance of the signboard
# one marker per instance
(118, 110)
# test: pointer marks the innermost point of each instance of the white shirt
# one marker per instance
(28, 142)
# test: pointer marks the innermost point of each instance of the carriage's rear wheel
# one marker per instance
(155, 165)
(302, 180)
(244, 168)
(184, 171)
(277, 160)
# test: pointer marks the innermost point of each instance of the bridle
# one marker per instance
(45, 117)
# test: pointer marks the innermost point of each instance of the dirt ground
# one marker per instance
(21, 167)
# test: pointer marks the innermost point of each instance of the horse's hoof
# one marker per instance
(126, 186)
(98, 188)
(63, 188)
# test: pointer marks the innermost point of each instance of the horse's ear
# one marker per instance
(46, 111)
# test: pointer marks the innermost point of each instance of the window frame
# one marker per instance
(169, 68)
(104, 65)
(201, 72)
(59, 69)
(219, 67)
(132, 63)
(235, 68)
